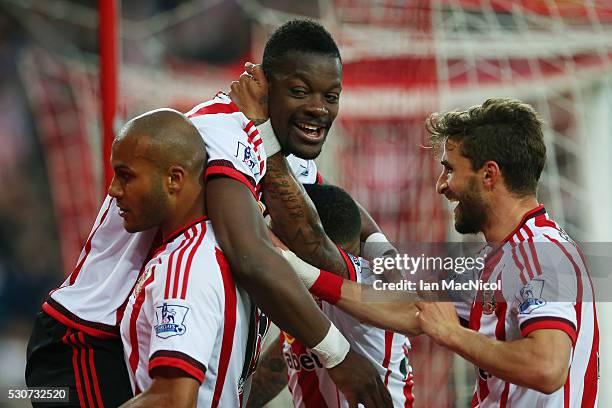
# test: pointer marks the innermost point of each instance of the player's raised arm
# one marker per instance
(294, 218)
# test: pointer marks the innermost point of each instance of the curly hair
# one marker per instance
(297, 36)
(338, 212)
(506, 131)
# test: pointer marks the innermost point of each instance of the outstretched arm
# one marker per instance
(266, 276)
(395, 315)
(398, 316)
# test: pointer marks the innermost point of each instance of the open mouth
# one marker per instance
(311, 132)
(122, 211)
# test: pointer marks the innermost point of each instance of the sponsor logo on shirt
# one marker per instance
(170, 320)
(306, 361)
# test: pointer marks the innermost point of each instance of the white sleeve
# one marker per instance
(233, 146)
(305, 171)
(185, 329)
(546, 300)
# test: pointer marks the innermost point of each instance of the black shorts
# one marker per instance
(93, 369)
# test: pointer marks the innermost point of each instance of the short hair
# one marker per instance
(506, 131)
(171, 139)
(338, 212)
(297, 36)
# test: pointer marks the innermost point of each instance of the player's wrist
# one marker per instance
(377, 245)
(332, 350)
(328, 287)
(270, 142)
(451, 336)
(322, 284)
(307, 273)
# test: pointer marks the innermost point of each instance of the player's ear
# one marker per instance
(491, 174)
(176, 177)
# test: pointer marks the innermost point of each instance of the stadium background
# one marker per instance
(402, 60)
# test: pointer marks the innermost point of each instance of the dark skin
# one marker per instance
(267, 277)
(271, 375)
(295, 221)
(256, 265)
(305, 89)
(270, 281)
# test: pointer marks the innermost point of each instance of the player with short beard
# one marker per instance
(534, 342)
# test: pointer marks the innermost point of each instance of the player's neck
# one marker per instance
(505, 215)
(184, 213)
(353, 248)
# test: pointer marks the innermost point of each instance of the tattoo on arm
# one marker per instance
(270, 377)
(296, 221)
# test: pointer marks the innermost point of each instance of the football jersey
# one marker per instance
(310, 384)
(93, 296)
(544, 285)
(305, 171)
(186, 313)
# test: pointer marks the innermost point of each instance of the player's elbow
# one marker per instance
(251, 265)
(550, 377)
(247, 269)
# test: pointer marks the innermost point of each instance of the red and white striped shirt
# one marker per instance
(187, 313)
(544, 285)
(93, 296)
(310, 384)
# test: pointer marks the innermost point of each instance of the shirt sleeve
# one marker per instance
(547, 300)
(185, 329)
(305, 171)
(233, 146)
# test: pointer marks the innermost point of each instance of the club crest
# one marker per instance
(488, 302)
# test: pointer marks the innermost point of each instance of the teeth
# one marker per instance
(308, 127)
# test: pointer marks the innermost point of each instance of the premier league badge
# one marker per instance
(170, 320)
(531, 295)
